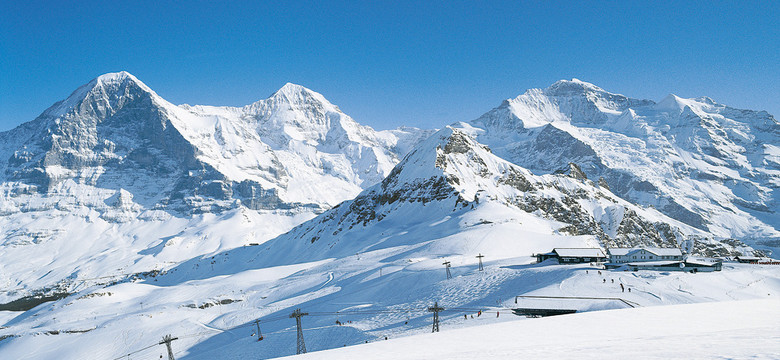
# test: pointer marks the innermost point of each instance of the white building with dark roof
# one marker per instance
(748, 259)
(633, 255)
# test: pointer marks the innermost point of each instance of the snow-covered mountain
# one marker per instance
(294, 149)
(115, 177)
(710, 166)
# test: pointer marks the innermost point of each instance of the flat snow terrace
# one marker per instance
(722, 330)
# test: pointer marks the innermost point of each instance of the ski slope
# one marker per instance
(212, 311)
(722, 330)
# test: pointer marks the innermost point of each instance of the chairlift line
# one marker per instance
(403, 311)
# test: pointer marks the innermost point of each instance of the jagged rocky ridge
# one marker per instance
(451, 174)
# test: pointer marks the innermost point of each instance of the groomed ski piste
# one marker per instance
(721, 330)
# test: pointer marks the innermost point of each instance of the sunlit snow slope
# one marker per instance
(725, 330)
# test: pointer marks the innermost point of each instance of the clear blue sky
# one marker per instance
(390, 63)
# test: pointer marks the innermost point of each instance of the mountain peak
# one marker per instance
(292, 88)
(103, 90)
(572, 87)
(672, 103)
(115, 76)
(118, 78)
(298, 97)
(293, 91)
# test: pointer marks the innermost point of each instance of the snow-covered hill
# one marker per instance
(710, 166)
(116, 180)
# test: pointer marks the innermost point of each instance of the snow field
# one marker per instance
(720, 330)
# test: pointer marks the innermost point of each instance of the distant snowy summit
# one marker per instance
(710, 166)
(294, 149)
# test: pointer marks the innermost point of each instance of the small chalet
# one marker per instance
(573, 255)
(757, 260)
(633, 255)
(748, 259)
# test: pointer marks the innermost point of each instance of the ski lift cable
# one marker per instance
(335, 313)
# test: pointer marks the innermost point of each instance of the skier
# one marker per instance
(496, 313)
(613, 281)
(465, 317)
(622, 288)
(604, 281)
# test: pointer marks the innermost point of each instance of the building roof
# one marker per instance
(702, 261)
(655, 263)
(654, 250)
(619, 251)
(579, 252)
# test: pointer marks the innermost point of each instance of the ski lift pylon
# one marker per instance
(259, 333)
